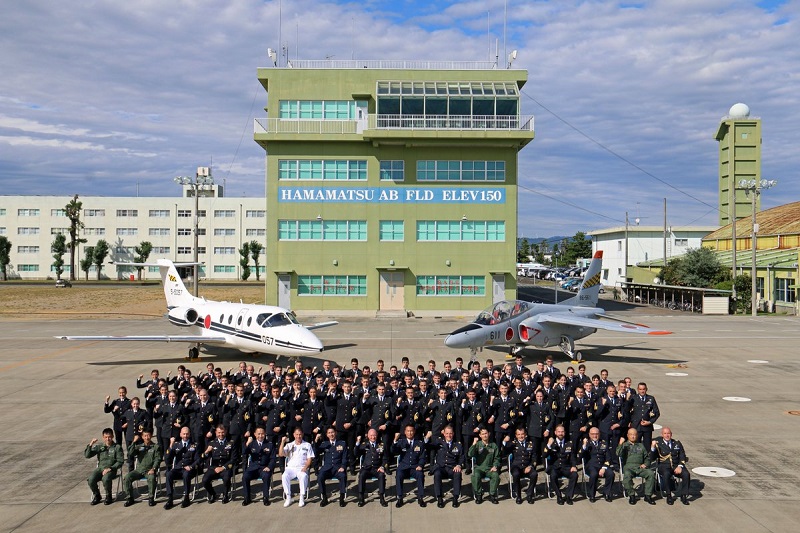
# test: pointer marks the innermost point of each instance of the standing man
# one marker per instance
(204, 419)
(109, 461)
(222, 455)
(334, 465)
(147, 457)
(348, 410)
(259, 462)
(599, 460)
(561, 463)
(448, 463)
(540, 423)
(523, 464)
(670, 460)
(373, 465)
(644, 414)
(487, 464)
(181, 459)
(411, 464)
(299, 455)
(635, 459)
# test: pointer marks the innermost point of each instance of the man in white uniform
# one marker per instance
(299, 455)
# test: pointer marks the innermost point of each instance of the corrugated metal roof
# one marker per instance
(781, 220)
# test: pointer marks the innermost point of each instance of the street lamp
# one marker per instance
(202, 180)
(753, 189)
(555, 281)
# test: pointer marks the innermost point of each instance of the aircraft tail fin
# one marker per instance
(590, 286)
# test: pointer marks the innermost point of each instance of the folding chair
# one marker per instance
(118, 490)
(622, 478)
(510, 481)
(484, 479)
(672, 485)
(268, 486)
(551, 491)
(584, 479)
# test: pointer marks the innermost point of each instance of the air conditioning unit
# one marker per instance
(203, 172)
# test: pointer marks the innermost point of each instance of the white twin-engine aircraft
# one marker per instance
(519, 324)
(247, 328)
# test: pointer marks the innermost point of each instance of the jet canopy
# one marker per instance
(273, 320)
(502, 311)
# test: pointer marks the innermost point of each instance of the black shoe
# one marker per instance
(493, 499)
(151, 502)
(607, 498)
(632, 500)
(467, 471)
(342, 502)
(211, 498)
(422, 502)
(109, 500)
(560, 500)
(670, 500)
(168, 505)
(185, 503)
(95, 499)
(246, 502)
(383, 502)
(650, 500)
(324, 501)
(399, 503)
(592, 499)
(479, 499)
(530, 499)
(456, 503)
(266, 502)
(519, 500)
(128, 502)
(361, 502)
(440, 502)
(685, 500)
(568, 501)
(226, 497)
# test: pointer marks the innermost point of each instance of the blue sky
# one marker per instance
(106, 97)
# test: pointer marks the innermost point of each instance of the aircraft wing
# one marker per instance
(611, 324)
(146, 338)
(321, 325)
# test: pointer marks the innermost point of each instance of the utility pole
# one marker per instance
(753, 189)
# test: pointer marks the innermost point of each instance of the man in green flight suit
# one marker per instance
(109, 461)
(635, 460)
(487, 464)
(146, 455)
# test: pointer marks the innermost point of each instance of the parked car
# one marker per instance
(63, 284)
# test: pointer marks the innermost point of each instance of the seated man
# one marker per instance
(109, 461)
(670, 460)
(334, 465)
(181, 459)
(373, 465)
(523, 463)
(449, 459)
(411, 464)
(599, 457)
(299, 455)
(259, 462)
(222, 455)
(561, 463)
(487, 464)
(635, 459)
(146, 455)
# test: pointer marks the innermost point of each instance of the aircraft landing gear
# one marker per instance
(194, 354)
(567, 345)
(514, 350)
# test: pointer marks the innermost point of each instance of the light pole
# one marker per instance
(753, 188)
(555, 281)
(201, 180)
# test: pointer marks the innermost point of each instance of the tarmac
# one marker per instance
(52, 394)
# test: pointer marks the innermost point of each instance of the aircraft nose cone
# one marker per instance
(312, 341)
(450, 341)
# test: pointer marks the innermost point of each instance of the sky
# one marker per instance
(117, 98)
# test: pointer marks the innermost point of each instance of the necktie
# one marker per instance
(184, 445)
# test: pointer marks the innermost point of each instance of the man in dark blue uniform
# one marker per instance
(259, 462)
(599, 458)
(411, 464)
(523, 464)
(334, 465)
(372, 465)
(181, 459)
(222, 455)
(450, 457)
(561, 463)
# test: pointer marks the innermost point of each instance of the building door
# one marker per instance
(392, 289)
(498, 288)
(285, 291)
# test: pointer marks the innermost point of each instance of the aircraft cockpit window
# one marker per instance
(279, 319)
(501, 311)
(262, 321)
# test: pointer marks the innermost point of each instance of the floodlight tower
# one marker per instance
(202, 180)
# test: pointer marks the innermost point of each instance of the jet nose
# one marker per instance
(312, 341)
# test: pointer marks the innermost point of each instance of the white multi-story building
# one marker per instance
(644, 243)
(31, 223)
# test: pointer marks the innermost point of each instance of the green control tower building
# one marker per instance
(391, 186)
(739, 138)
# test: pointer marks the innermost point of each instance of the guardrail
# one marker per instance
(395, 122)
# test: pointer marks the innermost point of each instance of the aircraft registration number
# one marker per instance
(494, 335)
(176, 292)
(267, 340)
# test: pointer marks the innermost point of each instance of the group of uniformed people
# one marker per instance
(446, 423)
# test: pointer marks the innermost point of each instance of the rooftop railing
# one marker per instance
(390, 64)
(395, 122)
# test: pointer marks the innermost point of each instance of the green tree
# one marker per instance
(88, 259)
(73, 212)
(5, 256)
(744, 285)
(255, 252)
(142, 253)
(578, 247)
(59, 248)
(700, 267)
(524, 251)
(538, 253)
(99, 254)
(244, 262)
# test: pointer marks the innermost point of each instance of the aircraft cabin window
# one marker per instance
(230, 318)
(239, 321)
(249, 320)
